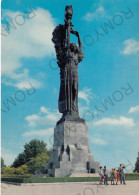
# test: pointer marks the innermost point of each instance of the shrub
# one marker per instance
(15, 171)
(8, 170)
(38, 162)
(21, 170)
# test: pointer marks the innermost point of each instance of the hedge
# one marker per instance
(132, 176)
(49, 179)
(16, 176)
(59, 179)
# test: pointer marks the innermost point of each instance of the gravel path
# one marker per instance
(80, 188)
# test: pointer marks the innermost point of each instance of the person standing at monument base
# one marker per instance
(105, 172)
(101, 175)
(122, 174)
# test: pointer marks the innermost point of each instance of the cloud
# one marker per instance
(44, 110)
(98, 141)
(41, 120)
(22, 81)
(122, 121)
(90, 16)
(134, 109)
(42, 125)
(30, 40)
(8, 156)
(131, 46)
(41, 133)
(86, 94)
(83, 109)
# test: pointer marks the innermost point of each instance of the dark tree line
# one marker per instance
(137, 164)
(2, 163)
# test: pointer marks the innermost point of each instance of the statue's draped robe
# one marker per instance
(68, 63)
(68, 95)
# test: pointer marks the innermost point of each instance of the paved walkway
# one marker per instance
(80, 188)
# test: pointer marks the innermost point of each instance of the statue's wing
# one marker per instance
(59, 40)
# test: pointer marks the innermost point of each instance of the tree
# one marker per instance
(20, 160)
(2, 163)
(34, 148)
(38, 162)
(137, 165)
(31, 150)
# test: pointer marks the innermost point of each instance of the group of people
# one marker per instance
(115, 175)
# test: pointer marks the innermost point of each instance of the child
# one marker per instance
(112, 176)
(115, 176)
(101, 175)
(117, 180)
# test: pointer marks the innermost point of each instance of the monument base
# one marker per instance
(71, 154)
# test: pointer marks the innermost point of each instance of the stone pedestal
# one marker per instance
(71, 152)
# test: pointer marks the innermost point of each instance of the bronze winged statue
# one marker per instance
(68, 56)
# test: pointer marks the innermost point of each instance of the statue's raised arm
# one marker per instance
(80, 52)
(78, 36)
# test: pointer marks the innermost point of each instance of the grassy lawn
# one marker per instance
(25, 179)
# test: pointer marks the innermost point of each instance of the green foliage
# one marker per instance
(2, 163)
(15, 171)
(8, 170)
(12, 179)
(132, 176)
(31, 150)
(34, 157)
(34, 148)
(21, 170)
(137, 165)
(17, 176)
(38, 162)
(20, 160)
(60, 179)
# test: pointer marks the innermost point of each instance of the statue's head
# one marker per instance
(73, 47)
(68, 12)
